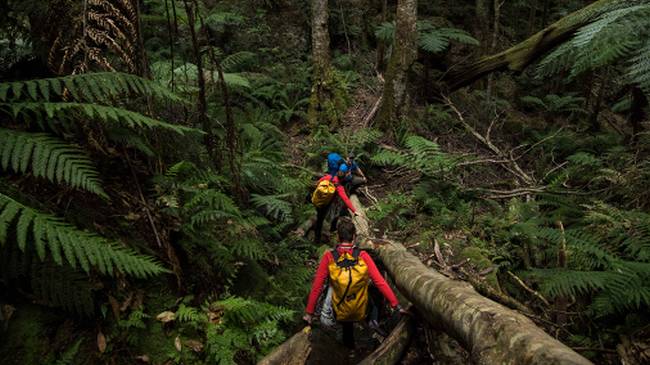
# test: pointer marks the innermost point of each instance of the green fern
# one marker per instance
(247, 326)
(44, 232)
(55, 286)
(274, 205)
(431, 38)
(50, 158)
(423, 156)
(617, 34)
(107, 114)
(89, 87)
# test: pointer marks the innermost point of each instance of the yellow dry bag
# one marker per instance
(349, 281)
(324, 193)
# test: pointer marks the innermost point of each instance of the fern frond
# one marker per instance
(87, 87)
(233, 61)
(106, 114)
(273, 205)
(79, 248)
(49, 157)
(64, 288)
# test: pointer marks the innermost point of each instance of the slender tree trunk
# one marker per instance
(532, 16)
(381, 46)
(637, 112)
(482, 23)
(321, 94)
(518, 57)
(495, 39)
(395, 104)
(209, 139)
(490, 332)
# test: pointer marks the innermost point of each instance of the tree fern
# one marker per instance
(423, 156)
(431, 39)
(43, 111)
(54, 286)
(618, 34)
(67, 244)
(89, 87)
(50, 158)
(273, 205)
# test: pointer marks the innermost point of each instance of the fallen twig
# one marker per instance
(528, 289)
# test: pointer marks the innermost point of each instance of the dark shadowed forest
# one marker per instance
(160, 159)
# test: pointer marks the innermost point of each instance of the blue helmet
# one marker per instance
(344, 168)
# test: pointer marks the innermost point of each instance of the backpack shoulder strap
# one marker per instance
(356, 252)
(335, 254)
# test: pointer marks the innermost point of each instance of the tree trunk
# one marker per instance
(320, 99)
(404, 54)
(637, 111)
(202, 105)
(381, 46)
(294, 351)
(518, 57)
(491, 333)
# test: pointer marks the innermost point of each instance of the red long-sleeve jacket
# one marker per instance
(323, 272)
(340, 190)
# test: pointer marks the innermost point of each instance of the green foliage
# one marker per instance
(552, 104)
(246, 326)
(423, 156)
(619, 34)
(49, 157)
(431, 38)
(42, 232)
(98, 87)
(68, 356)
(608, 260)
(62, 287)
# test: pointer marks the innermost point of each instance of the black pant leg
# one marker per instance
(321, 213)
(348, 334)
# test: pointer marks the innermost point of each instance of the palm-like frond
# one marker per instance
(63, 241)
(48, 157)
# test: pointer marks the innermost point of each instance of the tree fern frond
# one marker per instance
(88, 87)
(62, 287)
(233, 61)
(273, 205)
(49, 157)
(78, 247)
(107, 114)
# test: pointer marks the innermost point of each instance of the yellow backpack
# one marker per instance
(324, 193)
(349, 281)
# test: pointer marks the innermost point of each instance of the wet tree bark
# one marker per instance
(490, 332)
(518, 57)
(395, 104)
(294, 351)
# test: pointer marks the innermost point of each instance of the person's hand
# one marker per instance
(309, 318)
(401, 311)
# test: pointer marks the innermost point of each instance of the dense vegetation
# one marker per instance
(156, 155)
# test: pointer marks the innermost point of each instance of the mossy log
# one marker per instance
(490, 332)
(518, 57)
(293, 351)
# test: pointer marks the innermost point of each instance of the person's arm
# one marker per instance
(341, 191)
(379, 280)
(319, 279)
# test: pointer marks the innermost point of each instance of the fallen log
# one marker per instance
(294, 351)
(392, 349)
(490, 332)
(518, 57)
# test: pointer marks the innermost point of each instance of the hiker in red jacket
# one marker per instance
(348, 269)
(321, 212)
